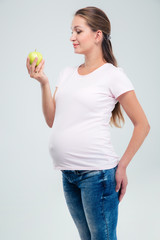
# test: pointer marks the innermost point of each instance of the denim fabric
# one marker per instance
(92, 202)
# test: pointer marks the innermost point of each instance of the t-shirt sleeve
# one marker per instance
(120, 83)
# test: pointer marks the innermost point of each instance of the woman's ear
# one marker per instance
(98, 36)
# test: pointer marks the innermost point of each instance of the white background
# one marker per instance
(32, 204)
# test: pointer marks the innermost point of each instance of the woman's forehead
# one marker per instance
(78, 22)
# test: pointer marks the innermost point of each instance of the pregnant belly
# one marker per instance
(74, 144)
(68, 141)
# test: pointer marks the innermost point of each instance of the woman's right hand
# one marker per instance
(37, 71)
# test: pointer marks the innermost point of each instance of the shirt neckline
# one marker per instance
(85, 75)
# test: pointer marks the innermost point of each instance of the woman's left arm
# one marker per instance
(133, 109)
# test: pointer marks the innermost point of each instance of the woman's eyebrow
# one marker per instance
(76, 26)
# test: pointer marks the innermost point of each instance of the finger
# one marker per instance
(42, 67)
(38, 68)
(123, 190)
(34, 64)
(118, 185)
(122, 193)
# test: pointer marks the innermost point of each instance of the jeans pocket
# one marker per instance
(109, 181)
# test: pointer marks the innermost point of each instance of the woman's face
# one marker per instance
(82, 35)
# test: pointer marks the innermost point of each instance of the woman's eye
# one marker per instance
(77, 32)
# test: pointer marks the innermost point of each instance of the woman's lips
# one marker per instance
(75, 45)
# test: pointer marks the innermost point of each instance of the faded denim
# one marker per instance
(92, 202)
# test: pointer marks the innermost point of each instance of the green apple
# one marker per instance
(33, 55)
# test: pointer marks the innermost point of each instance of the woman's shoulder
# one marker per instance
(113, 67)
(116, 70)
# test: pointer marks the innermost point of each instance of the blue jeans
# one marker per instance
(92, 202)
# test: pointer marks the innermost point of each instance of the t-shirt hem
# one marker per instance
(87, 168)
(124, 91)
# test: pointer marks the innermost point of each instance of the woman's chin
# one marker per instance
(78, 51)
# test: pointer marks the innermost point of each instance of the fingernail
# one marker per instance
(116, 190)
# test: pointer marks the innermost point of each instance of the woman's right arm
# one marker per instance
(48, 103)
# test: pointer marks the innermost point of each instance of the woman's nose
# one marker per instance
(72, 37)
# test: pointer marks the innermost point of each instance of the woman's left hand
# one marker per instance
(121, 180)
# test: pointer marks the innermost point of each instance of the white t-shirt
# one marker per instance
(80, 135)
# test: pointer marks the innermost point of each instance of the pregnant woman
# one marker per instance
(86, 101)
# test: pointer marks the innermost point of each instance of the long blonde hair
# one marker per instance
(96, 19)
